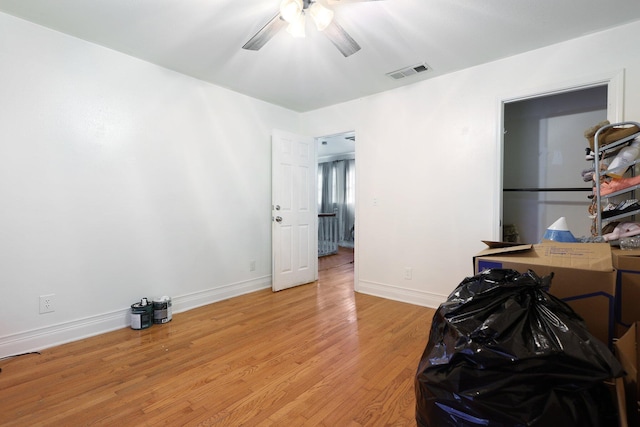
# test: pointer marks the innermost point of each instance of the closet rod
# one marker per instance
(549, 189)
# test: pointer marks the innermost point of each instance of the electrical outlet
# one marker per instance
(47, 303)
(252, 265)
(408, 272)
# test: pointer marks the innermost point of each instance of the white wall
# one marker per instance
(429, 159)
(119, 180)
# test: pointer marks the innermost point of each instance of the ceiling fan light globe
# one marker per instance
(290, 10)
(297, 27)
(321, 15)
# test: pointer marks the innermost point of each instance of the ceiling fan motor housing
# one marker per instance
(291, 16)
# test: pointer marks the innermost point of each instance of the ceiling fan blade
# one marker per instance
(265, 34)
(341, 39)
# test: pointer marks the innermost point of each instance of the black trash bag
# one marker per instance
(503, 352)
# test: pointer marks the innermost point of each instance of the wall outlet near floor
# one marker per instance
(47, 303)
(408, 273)
(252, 265)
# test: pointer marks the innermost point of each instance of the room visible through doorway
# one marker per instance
(336, 198)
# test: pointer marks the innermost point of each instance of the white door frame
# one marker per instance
(615, 113)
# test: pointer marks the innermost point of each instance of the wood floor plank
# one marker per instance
(314, 355)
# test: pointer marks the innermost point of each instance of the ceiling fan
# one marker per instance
(292, 16)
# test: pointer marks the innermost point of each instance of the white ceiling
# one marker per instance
(335, 145)
(203, 39)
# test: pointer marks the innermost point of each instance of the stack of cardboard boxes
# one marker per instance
(627, 329)
(601, 283)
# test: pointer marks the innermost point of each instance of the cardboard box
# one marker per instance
(584, 276)
(627, 352)
(626, 260)
(621, 402)
(627, 265)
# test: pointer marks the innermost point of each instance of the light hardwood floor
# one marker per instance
(315, 355)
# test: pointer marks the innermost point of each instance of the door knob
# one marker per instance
(277, 207)
(278, 219)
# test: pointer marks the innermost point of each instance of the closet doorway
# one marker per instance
(336, 198)
(544, 161)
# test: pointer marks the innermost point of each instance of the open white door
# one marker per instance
(294, 210)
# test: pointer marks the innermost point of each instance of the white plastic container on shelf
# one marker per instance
(624, 159)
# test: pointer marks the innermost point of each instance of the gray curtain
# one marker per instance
(325, 186)
(336, 193)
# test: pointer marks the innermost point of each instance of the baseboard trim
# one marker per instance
(53, 335)
(411, 296)
(198, 299)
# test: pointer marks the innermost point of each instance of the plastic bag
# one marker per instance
(502, 351)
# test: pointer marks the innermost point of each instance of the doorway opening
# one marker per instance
(336, 161)
(544, 160)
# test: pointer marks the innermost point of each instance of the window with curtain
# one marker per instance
(336, 194)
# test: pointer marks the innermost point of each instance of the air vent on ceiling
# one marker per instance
(408, 71)
(351, 138)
